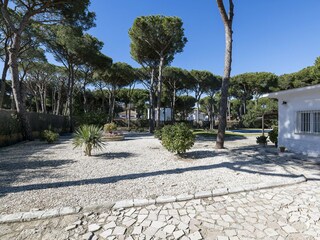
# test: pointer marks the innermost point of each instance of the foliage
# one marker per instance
(262, 140)
(50, 136)
(184, 105)
(273, 135)
(177, 138)
(257, 108)
(110, 127)
(158, 133)
(91, 118)
(89, 137)
(152, 36)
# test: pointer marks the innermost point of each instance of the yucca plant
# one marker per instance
(89, 137)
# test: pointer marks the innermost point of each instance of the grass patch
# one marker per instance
(213, 134)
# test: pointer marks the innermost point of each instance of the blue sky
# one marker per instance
(279, 36)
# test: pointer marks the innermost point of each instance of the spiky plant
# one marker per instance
(89, 137)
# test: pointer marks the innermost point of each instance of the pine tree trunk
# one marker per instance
(151, 103)
(16, 87)
(174, 102)
(227, 20)
(159, 92)
(70, 98)
(3, 79)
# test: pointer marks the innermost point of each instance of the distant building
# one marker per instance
(193, 116)
(299, 119)
(125, 114)
(165, 114)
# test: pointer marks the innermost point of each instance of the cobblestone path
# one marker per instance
(281, 213)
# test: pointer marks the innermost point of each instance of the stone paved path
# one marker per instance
(281, 213)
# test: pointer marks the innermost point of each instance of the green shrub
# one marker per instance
(110, 127)
(273, 135)
(262, 140)
(49, 136)
(89, 137)
(158, 133)
(177, 138)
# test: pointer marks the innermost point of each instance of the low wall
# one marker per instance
(10, 129)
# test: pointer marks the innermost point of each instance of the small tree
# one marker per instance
(89, 137)
(177, 138)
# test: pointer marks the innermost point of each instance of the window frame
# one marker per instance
(309, 127)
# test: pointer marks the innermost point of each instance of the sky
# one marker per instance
(278, 36)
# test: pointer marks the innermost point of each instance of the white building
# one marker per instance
(194, 116)
(299, 119)
(165, 114)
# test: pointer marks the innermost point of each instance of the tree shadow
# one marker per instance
(113, 155)
(199, 154)
(259, 167)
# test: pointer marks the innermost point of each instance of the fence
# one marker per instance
(10, 129)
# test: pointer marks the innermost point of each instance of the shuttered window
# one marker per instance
(308, 122)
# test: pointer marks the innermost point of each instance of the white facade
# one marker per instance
(193, 116)
(165, 114)
(299, 119)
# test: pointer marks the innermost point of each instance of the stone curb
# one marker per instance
(36, 215)
(57, 212)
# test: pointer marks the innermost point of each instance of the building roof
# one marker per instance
(292, 91)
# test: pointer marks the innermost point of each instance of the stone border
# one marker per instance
(57, 212)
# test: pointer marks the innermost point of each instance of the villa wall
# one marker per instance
(289, 105)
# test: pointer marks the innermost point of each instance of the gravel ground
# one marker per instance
(36, 175)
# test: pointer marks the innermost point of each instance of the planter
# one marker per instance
(113, 138)
(282, 149)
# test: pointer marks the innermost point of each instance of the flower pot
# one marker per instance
(282, 149)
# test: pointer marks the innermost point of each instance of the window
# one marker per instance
(308, 122)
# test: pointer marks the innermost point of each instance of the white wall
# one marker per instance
(298, 142)
(165, 114)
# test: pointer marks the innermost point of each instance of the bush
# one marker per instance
(110, 127)
(158, 133)
(49, 136)
(177, 138)
(273, 135)
(89, 137)
(262, 140)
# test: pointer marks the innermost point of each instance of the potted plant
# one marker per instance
(110, 127)
(262, 140)
(110, 133)
(88, 137)
(282, 149)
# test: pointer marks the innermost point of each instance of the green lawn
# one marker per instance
(213, 134)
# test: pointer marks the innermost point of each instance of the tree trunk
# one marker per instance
(85, 101)
(16, 87)
(159, 92)
(70, 98)
(3, 79)
(58, 101)
(151, 103)
(174, 102)
(227, 20)
(129, 118)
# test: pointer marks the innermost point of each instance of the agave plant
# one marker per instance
(89, 137)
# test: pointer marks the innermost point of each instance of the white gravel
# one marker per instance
(39, 175)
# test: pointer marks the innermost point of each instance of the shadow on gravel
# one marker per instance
(19, 162)
(252, 166)
(113, 155)
(200, 154)
(13, 171)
